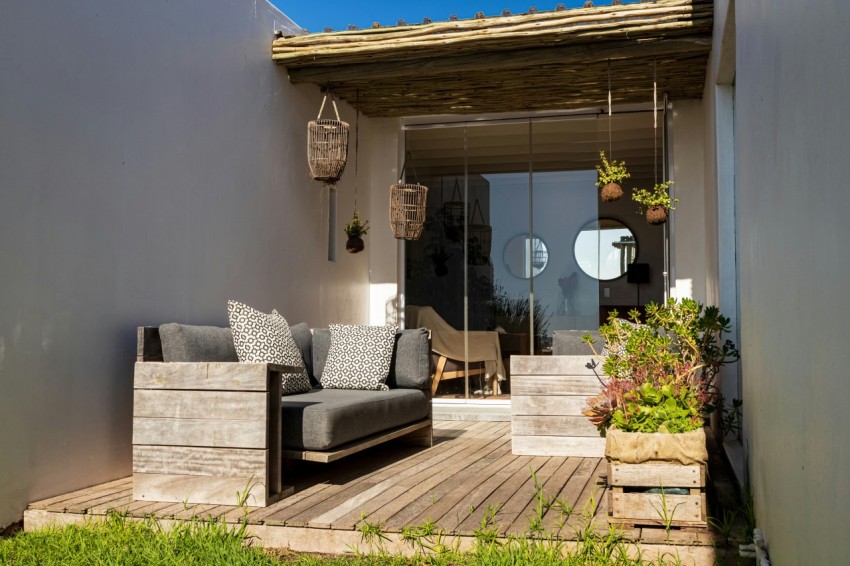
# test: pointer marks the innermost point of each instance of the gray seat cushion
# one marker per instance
(186, 343)
(327, 418)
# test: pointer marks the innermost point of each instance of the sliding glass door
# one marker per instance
(501, 265)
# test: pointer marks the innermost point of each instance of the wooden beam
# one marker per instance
(436, 66)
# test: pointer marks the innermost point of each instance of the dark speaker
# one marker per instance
(638, 273)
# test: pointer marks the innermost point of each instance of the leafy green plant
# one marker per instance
(725, 525)
(662, 371)
(356, 228)
(513, 314)
(665, 513)
(659, 195)
(611, 171)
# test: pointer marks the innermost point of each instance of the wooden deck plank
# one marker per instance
(424, 508)
(352, 508)
(549, 480)
(353, 478)
(440, 483)
(554, 517)
(469, 468)
(56, 502)
(441, 487)
(521, 504)
(588, 501)
(503, 488)
(82, 505)
(408, 488)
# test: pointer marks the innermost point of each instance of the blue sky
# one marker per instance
(315, 16)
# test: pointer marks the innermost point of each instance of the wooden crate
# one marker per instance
(207, 433)
(548, 394)
(629, 504)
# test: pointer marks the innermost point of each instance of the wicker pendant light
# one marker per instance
(408, 203)
(327, 146)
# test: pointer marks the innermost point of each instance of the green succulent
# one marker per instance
(659, 195)
(356, 227)
(611, 171)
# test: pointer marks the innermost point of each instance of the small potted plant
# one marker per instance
(611, 174)
(355, 230)
(655, 203)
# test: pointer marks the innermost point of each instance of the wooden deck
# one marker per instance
(469, 469)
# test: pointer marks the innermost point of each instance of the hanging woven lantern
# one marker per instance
(453, 215)
(407, 210)
(480, 238)
(327, 146)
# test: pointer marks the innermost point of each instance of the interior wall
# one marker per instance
(791, 142)
(152, 166)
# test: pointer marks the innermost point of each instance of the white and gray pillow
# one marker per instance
(359, 357)
(265, 338)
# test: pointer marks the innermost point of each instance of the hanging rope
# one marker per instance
(610, 143)
(655, 121)
(356, 144)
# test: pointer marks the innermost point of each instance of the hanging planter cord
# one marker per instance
(655, 214)
(407, 205)
(327, 146)
(355, 243)
(480, 238)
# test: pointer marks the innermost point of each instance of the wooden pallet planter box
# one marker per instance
(629, 483)
(207, 433)
(548, 394)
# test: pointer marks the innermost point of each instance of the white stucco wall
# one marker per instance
(152, 166)
(792, 78)
(688, 222)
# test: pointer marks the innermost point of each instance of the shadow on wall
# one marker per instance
(391, 312)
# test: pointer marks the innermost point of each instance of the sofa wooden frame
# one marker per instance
(210, 432)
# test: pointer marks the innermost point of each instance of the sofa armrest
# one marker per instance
(204, 430)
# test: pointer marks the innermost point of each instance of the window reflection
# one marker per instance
(604, 248)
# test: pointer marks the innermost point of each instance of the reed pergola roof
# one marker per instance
(536, 61)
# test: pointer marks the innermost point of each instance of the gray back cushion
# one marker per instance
(186, 343)
(411, 365)
(321, 345)
(570, 343)
(304, 340)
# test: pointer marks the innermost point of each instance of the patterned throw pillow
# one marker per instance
(359, 357)
(265, 338)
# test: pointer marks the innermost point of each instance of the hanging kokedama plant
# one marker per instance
(611, 174)
(327, 146)
(355, 230)
(655, 203)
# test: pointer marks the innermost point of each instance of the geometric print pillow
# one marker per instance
(359, 357)
(266, 338)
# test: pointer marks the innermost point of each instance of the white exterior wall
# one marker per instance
(687, 226)
(791, 76)
(152, 166)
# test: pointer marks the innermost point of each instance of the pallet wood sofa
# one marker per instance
(208, 429)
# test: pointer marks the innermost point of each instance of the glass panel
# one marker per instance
(565, 198)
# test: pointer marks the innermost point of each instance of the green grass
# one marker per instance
(120, 542)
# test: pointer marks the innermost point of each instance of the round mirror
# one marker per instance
(525, 256)
(604, 248)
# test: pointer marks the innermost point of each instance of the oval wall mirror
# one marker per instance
(604, 248)
(525, 257)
